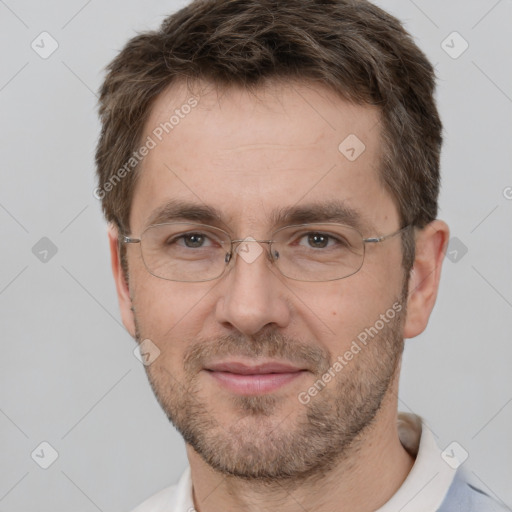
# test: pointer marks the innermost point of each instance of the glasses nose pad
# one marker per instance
(273, 254)
(228, 257)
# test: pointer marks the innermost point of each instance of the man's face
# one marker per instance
(250, 158)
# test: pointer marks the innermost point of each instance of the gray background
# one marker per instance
(68, 373)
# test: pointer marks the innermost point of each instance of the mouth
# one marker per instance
(254, 378)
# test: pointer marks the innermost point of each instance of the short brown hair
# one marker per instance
(351, 46)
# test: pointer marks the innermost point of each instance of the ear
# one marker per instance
(431, 244)
(122, 288)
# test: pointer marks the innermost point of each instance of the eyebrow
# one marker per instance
(331, 211)
(176, 210)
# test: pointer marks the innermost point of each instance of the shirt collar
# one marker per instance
(428, 482)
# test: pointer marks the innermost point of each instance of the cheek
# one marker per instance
(159, 304)
(350, 311)
(339, 311)
(169, 313)
(157, 316)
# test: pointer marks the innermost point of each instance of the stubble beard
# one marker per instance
(260, 444)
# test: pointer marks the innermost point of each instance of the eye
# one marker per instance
(317, 240)
(194, 240)
(191, 240)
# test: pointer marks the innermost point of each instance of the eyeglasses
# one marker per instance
(189, 252)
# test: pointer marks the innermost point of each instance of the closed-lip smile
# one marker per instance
(253, 378)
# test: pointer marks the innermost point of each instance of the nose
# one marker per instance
(252, 295)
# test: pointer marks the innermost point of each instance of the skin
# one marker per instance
(245, 155)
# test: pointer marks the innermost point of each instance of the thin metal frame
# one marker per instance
(229, 255)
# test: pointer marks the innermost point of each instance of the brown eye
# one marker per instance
(194, 240)
(318, 240)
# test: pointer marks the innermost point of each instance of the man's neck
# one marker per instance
(361, 482)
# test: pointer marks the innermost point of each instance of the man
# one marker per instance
(270, 171)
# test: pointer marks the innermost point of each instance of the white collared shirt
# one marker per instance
(423, 490)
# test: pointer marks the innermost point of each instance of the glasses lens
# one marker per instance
(318, 252)
(185, 252)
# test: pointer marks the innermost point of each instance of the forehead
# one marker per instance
(247, 153)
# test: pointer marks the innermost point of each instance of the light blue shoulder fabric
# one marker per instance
(465, 497)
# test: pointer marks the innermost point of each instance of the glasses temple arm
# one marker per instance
(385, 237)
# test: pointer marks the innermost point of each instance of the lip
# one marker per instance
(253, 378)
(241, 368)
